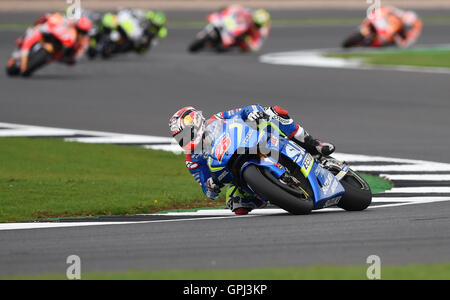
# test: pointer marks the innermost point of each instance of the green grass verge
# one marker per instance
(405, 272)
(439, 57)
(48, 178)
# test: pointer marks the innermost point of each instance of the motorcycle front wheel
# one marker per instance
(198, 44)
(36, 61)
(357, 196)
(12, 69)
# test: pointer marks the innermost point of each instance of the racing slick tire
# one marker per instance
(92, 53)
(36, 61)
(274, 193)
(198, 45)
(12, 69)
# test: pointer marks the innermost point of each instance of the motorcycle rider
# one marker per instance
(412, 27)
(156, 28)
(73, 36)
(406, 26)
(189, 122)
(139, 28)
(258, 31)
(257, 25)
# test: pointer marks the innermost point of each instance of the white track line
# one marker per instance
(417, 177)
(420, 190)
(315, 58)
(213, 215)
(368, 158)
(435, 167)
(23, 226)
(175, 148)
(18, 130)
(122, 139)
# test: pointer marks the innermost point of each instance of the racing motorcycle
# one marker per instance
(375, 31)
(109, 43)
(47, 49)
(260, 160)
(223, 31)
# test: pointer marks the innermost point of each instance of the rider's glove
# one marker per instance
(213, 185)
(255, 116)
(326, 149)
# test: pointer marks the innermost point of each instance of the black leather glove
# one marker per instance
(326, 149)
(315, 147)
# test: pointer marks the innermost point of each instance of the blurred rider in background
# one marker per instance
(412, 27)
(406, 26)
(188, 127)
(257, 23)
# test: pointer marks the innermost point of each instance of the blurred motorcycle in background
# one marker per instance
(385, 27)
(234, 27)
(128, 30)
(53, 38)
(222, 32)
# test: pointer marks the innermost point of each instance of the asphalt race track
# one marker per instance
(383, 113)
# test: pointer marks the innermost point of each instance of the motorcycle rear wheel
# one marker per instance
(274, 193)
(107, 50)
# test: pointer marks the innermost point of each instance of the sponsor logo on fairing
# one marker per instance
(327, 183)
(308, 161)
(191, 165)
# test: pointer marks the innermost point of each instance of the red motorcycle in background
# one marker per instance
(225, 29)
(387, 26)
(55, 39)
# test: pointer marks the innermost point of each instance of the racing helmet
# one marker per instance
(187, 127)
(83, 25)
(261, 17)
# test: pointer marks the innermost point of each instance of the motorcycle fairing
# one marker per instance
(229, 26)
(326, 187)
